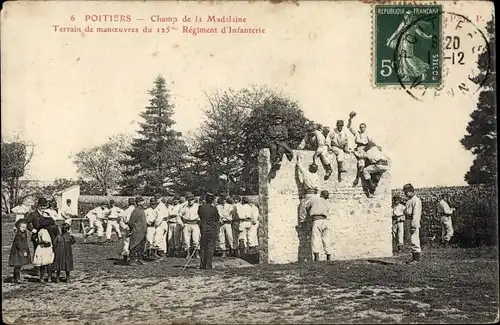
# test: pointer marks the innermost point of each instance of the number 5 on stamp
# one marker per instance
(407, 45)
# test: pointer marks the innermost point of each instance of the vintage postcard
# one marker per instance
(249, 162)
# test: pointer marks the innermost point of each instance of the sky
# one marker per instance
(69, 91)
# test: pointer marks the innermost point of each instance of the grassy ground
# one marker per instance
(448, 286)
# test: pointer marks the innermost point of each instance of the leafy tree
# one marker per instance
(16, 156)
(481, 137)
(227, 145)
(156, 157)
(102, 163)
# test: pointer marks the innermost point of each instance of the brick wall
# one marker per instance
(361, 226)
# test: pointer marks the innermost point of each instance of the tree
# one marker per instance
(156, 157)
(102, 163)
(218, 143)
(227, 145)
(16, 156)
(481, 137)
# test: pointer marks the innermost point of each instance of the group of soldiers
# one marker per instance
(173, 227)
(371, 161)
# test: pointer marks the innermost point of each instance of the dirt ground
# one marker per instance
(448, 286)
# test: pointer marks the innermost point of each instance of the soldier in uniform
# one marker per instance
(278, 144)
(445, 213)
(125, 217)
(413, 212)
(209, 219)
(225, 210)
(361, 139)
(317, 209)
(190, 223)
(314, 140)
(310, 181)
(174, 230)
(340, 146)
(376, 163)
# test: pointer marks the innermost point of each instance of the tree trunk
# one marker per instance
(5, 202)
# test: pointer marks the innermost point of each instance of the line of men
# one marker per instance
(173, 226)
(371, 161)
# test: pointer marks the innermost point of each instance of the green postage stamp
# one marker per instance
(407, 45)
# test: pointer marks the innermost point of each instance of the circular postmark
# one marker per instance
(450, 67)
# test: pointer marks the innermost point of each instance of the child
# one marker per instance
(44, 255)
(63, 252)
(19, 252)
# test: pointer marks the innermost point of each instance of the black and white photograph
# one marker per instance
(249, 162)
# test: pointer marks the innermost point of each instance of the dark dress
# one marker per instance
(20, 251)
(63, 260)
(138, 228)
(209, 221)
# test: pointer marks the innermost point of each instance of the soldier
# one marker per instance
(340, 146)
(113, 215)
(125, 217)
(67, 212)
(209, 219)
(190, 223)
(96, 218)
(152, 222)
(398, 219)
(174, 230)
(376, 163)
(361, 139)
(326, 134)
(236, 202)
(253, 232)
(445, 213)
(278, 146)
(162, 228)
(138, 227)
(317, 209)
(247, 218)
(225, 210)
(314, 140)
(413, 212)
(310, 181)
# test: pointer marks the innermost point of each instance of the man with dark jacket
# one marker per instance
(33, 220)
(209, 220)
(278, 146)
(137, 225)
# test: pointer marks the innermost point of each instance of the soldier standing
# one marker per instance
(314, 140)
(174, 228)
(191, 228)
(445, 213)
(340, 146)
(361, 139)
(398, 219)
(125, 217)
(413, 212)
(310, 181)
(278, 144)
(114, 214)
(317, 209)
(162, 227)
(209, 219)
(152, 222)
(225, 210)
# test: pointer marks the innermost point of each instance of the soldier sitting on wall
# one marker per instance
(278, 144)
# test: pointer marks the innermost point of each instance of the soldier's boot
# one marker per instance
(446, 243)
(370, 187)
(400, 248)
(316, 256)
(328, 257)
(125, 259)
(196, 254)
(415, 258)
(242, 247)
(356, 180)
(187, 250)
(341, 167)
(224, 254)
(160, 253)
(329, 171)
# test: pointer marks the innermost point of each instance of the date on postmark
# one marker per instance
(407, 45)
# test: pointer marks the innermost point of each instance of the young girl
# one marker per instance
(19, 252)
(63, 252)
(44, 255)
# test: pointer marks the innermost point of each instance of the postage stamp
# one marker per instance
(407, 45)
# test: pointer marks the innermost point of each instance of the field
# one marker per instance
(448, 286)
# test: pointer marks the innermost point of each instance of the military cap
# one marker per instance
(189, 196)
(139, 199)
(131, 200)
(278, 116)
(340, 122)
(245, 199)
(153, 201)
(157, 195)
(310, 128)
(111, 201)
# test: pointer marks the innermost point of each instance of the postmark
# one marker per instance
(463, 44)
(406, 46)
